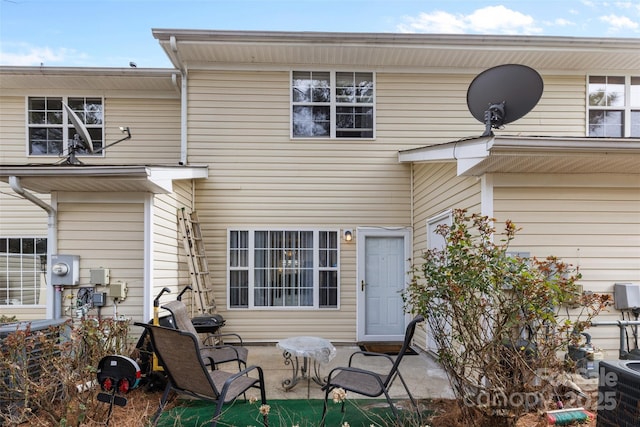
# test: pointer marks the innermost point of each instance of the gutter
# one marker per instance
(52, 242)
(542, 43)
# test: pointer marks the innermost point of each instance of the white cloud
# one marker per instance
(624, 4)
(633, 6)
(561, 22)
(436, 22)
(488, 20)
(619, 23)
(502, 20)
(588, 3)
(26, 55)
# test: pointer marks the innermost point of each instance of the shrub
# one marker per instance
(47, 374)
(495, 318)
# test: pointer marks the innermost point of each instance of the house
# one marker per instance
(319, 165)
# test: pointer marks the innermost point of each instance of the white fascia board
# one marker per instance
(467, 153)
(164, 176)
(552, 145)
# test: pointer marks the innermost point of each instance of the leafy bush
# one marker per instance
(46, 374)
(495, 318)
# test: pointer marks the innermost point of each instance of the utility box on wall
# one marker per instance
(118, 290)
(626, 296)
(99, 276)
(65, 270)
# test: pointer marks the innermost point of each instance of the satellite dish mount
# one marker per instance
(503, 94)
(493, 118)
(76, 144)
(82, 139)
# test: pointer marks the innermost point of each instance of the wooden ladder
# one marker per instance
(197, 261)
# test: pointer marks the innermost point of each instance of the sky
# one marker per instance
(113, 33)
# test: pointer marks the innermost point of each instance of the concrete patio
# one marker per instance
(422, 374)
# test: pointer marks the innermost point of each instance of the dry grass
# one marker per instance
(141, 405)
(447, 414)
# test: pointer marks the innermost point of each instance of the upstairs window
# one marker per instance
(50, 130)
(326, 104)
(283, 268)
(614, 106)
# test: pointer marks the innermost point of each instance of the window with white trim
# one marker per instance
(283, 268)
(332, 104)
(50, 130)
(614, 106)
(23, 263)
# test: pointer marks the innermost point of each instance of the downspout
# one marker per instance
(183, 119)
(183, 101)
(52, 240)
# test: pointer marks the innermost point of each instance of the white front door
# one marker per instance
(383, 272)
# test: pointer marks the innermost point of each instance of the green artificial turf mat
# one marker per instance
(287, 413)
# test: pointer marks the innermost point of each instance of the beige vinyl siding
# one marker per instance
(437, 189)
(593, 225)
(155, 131)
(561, 111)
(154, 124)
(109, 234)
(414, 110)
(19, 217)
(258, 176)
(23, 313)
(13, 115)
(169, 267)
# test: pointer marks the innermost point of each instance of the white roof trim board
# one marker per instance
(153, 179)
(504, 154)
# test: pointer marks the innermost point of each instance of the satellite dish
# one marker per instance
(82, 139)
(81, 131)
(503, 94)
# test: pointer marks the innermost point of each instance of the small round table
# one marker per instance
(318, 349)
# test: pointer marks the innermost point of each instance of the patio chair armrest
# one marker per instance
(216, 336)
(369, 353)
(243, 373)
(220, 347)
(352, 369)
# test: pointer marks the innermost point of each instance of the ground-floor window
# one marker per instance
(283, 268)
(23, 262)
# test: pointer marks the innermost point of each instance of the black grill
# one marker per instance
(208, 324)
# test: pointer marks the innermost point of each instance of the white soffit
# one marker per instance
(152, 179)
(193, 49)
(475, 157)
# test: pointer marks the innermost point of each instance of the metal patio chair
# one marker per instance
(219, 353)
(187, 373)
(370, 383)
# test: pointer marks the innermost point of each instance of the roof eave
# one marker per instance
(313, 37)
(471, 155)
(193, 49)
(92, 71)
(153, 179)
